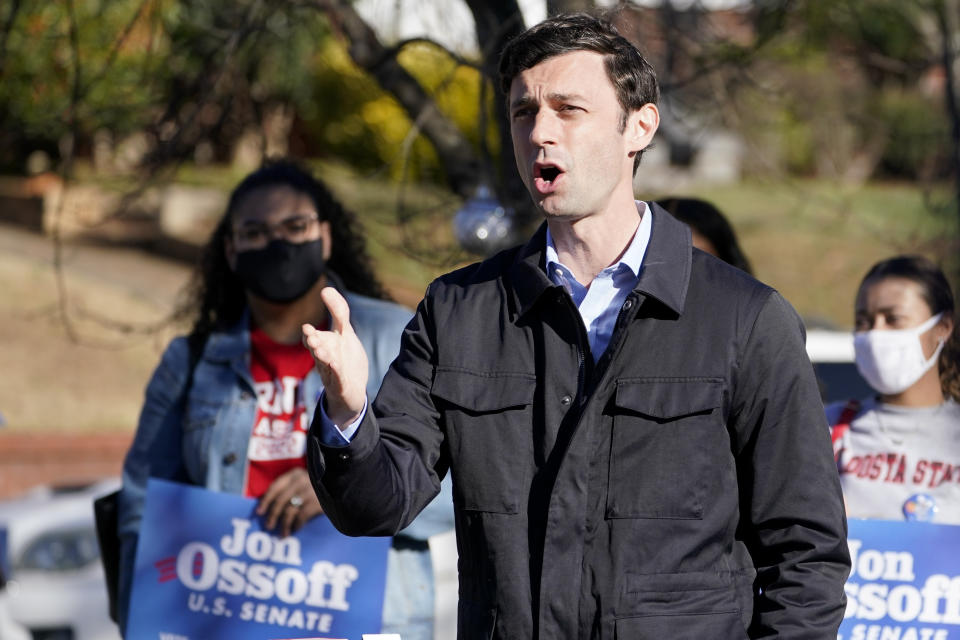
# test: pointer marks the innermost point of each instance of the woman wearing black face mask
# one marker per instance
(898, 453)
(228, 406)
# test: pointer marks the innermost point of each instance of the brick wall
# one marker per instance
(28, 460)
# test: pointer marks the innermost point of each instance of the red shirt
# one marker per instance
(278, 442)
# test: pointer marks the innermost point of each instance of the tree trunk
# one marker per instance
(948, 57)
(457, 156)
(496, 23)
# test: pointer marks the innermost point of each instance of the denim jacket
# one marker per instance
(203, 441)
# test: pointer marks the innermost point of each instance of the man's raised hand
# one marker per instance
(340, 360)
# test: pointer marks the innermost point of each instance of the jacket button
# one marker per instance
(230, 458)
(566, 400)
(627, 305)
(344, 456)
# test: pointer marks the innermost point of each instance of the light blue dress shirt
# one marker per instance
(599, 302)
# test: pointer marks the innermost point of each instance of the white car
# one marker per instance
(831, 353)
(55, 583)
(10, 629)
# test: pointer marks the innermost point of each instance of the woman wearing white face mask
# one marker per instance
(898, 452)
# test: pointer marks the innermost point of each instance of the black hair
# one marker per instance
(633, 78)
(216, 298)
(709, 222)
(938, 295)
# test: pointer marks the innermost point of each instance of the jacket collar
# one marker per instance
(665, 275)
(234, 343)
(527, 274)
(666, 266)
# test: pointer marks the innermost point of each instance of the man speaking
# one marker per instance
(634, 430)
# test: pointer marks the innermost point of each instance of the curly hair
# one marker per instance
(936, 292)
(216, 299)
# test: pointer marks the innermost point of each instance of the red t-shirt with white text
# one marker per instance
(278, 442)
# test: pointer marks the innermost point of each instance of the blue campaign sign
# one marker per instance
(904, 583)
(205, 568)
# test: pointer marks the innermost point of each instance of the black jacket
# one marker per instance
(681, 487)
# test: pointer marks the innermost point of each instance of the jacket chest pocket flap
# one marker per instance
(487, 419)
(664, 445)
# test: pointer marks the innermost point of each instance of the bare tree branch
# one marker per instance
(115, 49)
(949, 58)
(206, 87)
(392, 52)
(184, 138)
(65, 169)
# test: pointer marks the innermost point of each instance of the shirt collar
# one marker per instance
(632, 258)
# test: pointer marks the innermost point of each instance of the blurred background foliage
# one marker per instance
(355, 120)
(193, 72)
(844, 115)
(857, 96)
(817, 84)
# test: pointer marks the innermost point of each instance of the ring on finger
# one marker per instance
(296, 501)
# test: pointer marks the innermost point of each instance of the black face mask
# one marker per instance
(281, 271)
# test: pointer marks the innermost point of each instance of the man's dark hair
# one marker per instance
(216, 298)
(632, 77)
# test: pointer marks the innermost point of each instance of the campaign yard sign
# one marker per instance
(206, 568)
(904, 583)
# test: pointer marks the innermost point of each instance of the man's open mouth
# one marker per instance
(549, 173)
(546, 177)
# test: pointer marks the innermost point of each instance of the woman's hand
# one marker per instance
(289, 502)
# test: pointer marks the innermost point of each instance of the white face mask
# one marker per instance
(891, 361)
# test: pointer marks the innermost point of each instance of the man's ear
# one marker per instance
(641, 127)
(947, 323)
